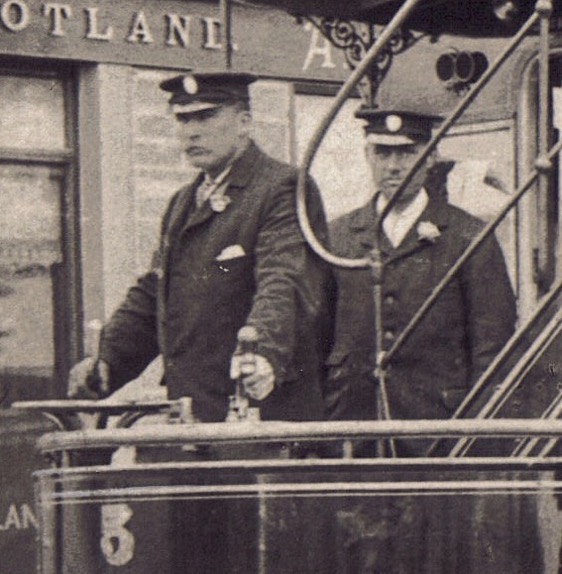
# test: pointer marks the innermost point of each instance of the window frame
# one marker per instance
(67, 304)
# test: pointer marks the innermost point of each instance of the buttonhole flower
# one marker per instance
(428, 231)
(219, 202)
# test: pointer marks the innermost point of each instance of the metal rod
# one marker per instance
(506, 351)
(383, 405)
(547, 449)
(49, 515)
(525, 447)
(266, 466)
(516, 375)
(69, 406)
(524, 365)
(504, 354)
(273, 431)
(226, 16)
(286, 488)
(543, 9)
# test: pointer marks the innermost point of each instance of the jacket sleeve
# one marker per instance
(129, 341)
(291, 280)
(490, 305)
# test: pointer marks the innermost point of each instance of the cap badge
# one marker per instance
(393, 123)
(190, 85)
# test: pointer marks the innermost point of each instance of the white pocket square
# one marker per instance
(231, 252)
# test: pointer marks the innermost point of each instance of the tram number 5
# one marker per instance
(117, 543)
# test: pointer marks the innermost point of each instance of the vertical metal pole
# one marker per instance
(262, 525)
(377, 269)
(49, 559)
(226, 17)
(543, 165)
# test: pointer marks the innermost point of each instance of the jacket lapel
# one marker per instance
(197, 216)
(182, 206)
(363, 227)
(243, 168)
(361, 232)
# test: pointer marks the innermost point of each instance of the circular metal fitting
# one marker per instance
(543, 164)
(543, 8)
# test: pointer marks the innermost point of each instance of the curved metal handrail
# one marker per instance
(314, 143)
(342, 96)
(64, 412)
(310, 152)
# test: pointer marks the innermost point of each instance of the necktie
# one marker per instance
(204, 191)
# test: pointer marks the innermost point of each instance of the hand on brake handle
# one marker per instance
(89, 379)
(258, 384)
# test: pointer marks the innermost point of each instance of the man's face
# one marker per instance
(390, 165)
(211, 138)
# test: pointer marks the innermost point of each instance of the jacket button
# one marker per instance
(390, 300)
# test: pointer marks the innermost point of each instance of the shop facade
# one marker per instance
(89, 157)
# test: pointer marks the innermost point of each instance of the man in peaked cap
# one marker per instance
(422, 237)
(231, 255)
(428, 377)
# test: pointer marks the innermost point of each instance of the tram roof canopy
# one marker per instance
(462, 17)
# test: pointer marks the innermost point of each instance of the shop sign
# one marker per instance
(18, 517)
(166, 33)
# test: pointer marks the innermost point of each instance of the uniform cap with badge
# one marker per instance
(197, 91)
(396, 127)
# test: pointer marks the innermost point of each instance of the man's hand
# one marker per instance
(89, 379)
(257, 384)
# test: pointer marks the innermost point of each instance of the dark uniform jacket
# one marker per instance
(456, 340)
(196, 297)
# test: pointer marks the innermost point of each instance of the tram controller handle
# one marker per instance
(238, 409)
(94, 380)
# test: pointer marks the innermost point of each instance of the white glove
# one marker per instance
(257, 384)
(82, 376)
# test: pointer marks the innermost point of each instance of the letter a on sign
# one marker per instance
(319, 46)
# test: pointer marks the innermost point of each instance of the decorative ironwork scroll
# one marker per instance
(355, 39)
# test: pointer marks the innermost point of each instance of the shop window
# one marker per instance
(35, 116)
(339, 167)
(38, 308)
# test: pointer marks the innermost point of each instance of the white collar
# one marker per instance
(397, 224)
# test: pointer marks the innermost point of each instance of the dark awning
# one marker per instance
(463, 17)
